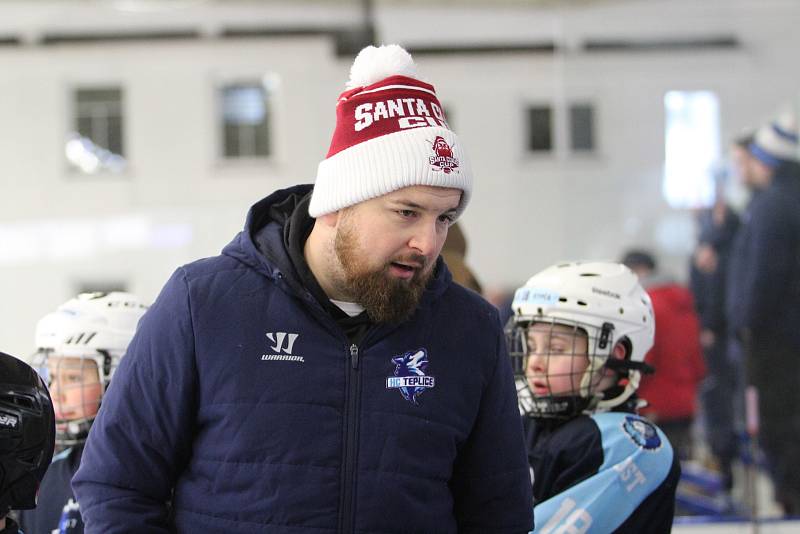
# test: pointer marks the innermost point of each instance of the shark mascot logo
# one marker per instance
(642, 432)
(409, 375)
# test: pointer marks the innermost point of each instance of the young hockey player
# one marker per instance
(79, 347)
(27, 434)
(578, 339)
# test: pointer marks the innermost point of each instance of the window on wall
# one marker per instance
(245, 121)
(540, 129)
(692, 148)
(95, 142)
(581, 127)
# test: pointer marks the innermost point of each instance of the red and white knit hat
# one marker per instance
(390, 133)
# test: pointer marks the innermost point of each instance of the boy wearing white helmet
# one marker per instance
(79, 346)
(577, 339)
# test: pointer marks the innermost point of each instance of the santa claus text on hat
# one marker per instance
(390, 133)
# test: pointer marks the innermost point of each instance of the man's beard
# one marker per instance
(385, 298)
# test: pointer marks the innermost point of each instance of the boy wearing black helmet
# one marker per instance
(27, 437)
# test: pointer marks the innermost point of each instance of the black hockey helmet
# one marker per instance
(27, 434)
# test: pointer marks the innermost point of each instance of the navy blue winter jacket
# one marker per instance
(243, 404)
(764, 278)
(709, 288)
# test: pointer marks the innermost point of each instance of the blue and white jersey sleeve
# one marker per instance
(632, 491)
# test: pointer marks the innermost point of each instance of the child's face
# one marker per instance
(74, 386)
(557, 358)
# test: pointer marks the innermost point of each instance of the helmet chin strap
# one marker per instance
(634, 369)
(73, 432)
(633, 384)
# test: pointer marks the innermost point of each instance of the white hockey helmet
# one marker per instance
(606, 302)
(91, 326)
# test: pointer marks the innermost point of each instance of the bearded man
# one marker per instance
(323, 374)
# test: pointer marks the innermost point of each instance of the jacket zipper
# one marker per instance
(353, 386)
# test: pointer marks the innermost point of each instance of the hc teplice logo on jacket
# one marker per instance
(282, 345)
(409, 375)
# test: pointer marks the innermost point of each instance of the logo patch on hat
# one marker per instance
(642, 432)
(409, 375)
(443, 159)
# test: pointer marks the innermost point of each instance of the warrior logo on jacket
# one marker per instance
(409, 375)
(443, 160)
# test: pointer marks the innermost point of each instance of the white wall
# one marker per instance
(59, 228)
(527, 211)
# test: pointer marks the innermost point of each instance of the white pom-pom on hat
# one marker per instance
(373, 64)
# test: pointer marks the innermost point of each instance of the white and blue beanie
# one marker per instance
(776, 141)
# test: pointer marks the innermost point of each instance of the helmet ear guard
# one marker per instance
(631, 371)
(625, 365)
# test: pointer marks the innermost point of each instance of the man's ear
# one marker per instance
(329, 219)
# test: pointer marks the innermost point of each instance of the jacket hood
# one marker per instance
(267, 219)
(261, 216)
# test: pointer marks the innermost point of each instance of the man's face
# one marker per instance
(557, 359)
(752, 173)
(740, 161)
(74, 386)
(387, 248)
(761, 174)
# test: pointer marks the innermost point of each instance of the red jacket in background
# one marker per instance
(676, 355)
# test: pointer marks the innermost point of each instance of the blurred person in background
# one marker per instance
(27, 438)
(454, 253)
(671, 392)
(501, 298)
(79, 346)
(764, 298)
(577, 342)
(707, 274)
(749, 173)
